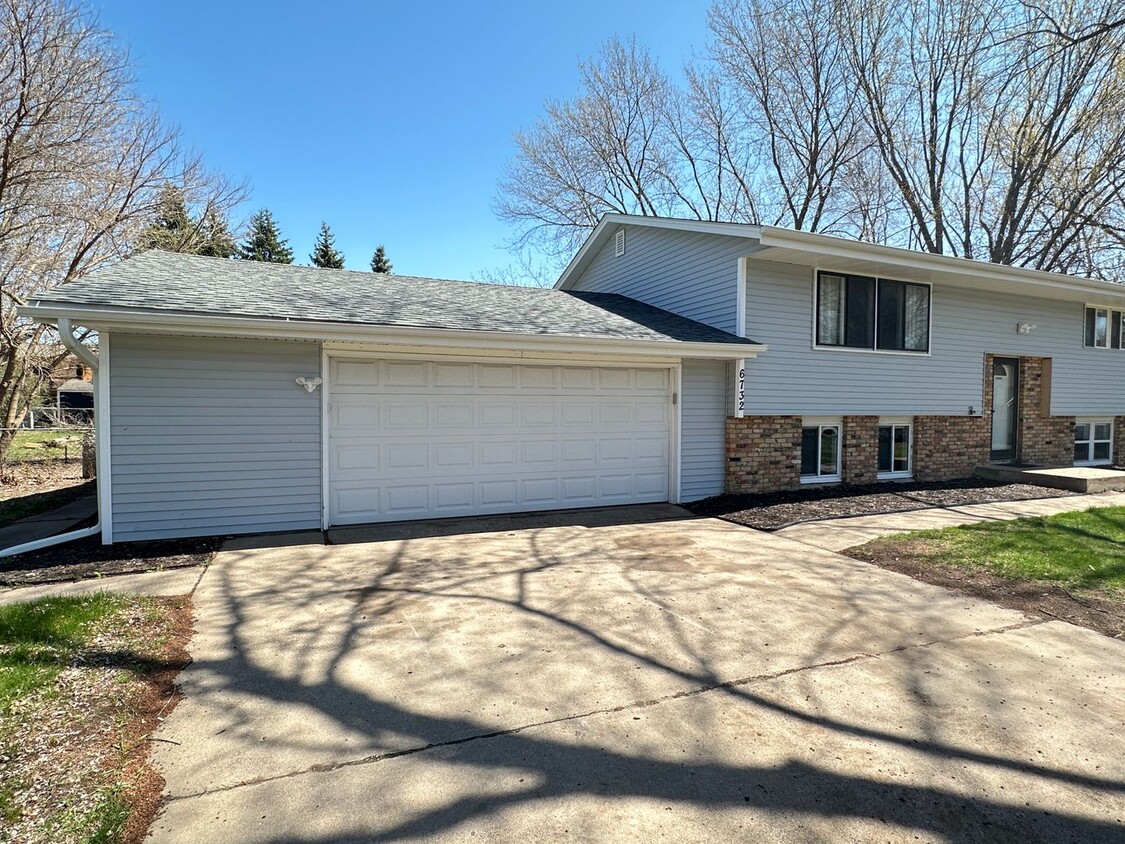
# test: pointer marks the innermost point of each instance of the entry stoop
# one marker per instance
(1071, 478)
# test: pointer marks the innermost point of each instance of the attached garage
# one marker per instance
(240, 397)
(412, 439)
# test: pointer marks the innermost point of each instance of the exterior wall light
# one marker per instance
(310, 384)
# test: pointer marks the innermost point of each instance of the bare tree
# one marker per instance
(82, 160)
(797, 113)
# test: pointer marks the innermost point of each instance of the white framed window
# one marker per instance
(821, 450)
(896, 448)
(1093, 442)
(872, 314)
(1103, 328)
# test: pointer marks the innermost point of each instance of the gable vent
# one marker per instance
(619, 243)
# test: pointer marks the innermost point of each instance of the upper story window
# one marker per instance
(1105, 329)
(858, 312)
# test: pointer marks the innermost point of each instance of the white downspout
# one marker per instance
(91, 360)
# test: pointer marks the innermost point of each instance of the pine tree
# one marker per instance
(325, 254)
(264, 242)
(172, 228)
(217, 239)
(379, 262)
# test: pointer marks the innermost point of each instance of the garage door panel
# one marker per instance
(417, 439)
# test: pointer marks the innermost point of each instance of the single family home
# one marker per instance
(673, 360)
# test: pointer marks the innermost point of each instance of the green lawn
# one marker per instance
(46, 445)
(1082, 550)
(63, 774)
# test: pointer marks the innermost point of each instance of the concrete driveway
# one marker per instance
(680, 680)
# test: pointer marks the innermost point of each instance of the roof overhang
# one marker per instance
(609, 223)
(135, 321)
(848, 256)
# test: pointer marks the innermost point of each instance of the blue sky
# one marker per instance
(389, 120)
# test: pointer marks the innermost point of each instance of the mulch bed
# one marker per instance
(1044, 600)
(774, 510)
(86, 558)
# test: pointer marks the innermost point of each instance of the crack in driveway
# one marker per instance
(633, 705)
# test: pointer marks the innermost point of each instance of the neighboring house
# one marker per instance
(238, 397)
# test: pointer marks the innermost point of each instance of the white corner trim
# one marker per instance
(325, 427)
(102, 438)
(675, 465)
(740, 297)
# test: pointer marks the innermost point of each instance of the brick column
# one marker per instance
(763, 453)
(861, 449)
(1042, 438)
(1119, 441)
(950, 447)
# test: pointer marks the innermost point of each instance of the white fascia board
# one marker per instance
(600, 235)
(812, 249)
(200, 325)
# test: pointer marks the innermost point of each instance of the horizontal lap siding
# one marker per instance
(212, 437)
(793, 378)
(690, 274)
(705, 387)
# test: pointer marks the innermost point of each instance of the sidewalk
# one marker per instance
(49, 523)
(838, 534)
(153, 583)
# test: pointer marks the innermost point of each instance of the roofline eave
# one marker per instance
(158, 322)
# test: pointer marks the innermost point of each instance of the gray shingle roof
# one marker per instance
(169, 282)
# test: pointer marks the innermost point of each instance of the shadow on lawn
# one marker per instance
(554, 770)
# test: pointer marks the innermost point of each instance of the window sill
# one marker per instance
(859, 351)
(894, 476)
(1092, 463)
(820, 479)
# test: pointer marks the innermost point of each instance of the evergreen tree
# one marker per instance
(215, 234)
(379, 262)
(325, 254)
(264, 242)
(172, 228)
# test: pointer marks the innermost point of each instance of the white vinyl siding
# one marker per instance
(706, 389)
(212, 437)
(691, 274)
(792, 377)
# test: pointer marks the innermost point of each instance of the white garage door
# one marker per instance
(423, 439)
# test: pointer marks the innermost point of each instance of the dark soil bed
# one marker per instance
(773, 510)
(87, 558)
(1044, 600)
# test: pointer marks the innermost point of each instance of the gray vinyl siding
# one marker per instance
(690, 274)
(705, 385)
(793, 378)
(212, 437)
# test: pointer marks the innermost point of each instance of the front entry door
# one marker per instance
(1005, 407)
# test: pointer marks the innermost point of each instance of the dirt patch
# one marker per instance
(158, 697)
(78, 766)
(22, 478)
(774, 510)
(1037, 598)
(86, 558)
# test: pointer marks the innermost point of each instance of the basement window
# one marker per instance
(895, 449)
(820, 451)
(1093, 442)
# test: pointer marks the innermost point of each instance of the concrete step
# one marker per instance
(1072, 478)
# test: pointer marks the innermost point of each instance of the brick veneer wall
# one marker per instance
(948, 447)
(1119, 441)
(1047, 440)
(861, 449)
(763, 453)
